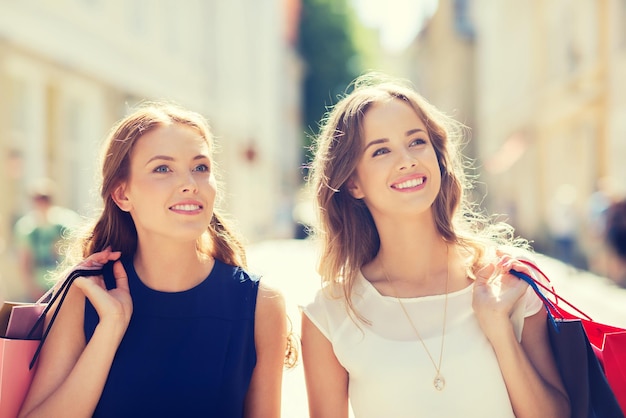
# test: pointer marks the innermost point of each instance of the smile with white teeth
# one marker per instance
(186, 207)
(409, 183)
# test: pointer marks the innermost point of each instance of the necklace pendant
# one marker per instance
(439, 382)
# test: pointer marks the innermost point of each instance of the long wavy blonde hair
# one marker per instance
(345, 227)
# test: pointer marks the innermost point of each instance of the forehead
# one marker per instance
(172, 138)
(390, 114)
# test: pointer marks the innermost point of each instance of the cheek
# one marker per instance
(212, 187)
(438, 180)
(149, 189)
(437, 163)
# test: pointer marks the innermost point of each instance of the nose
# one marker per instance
(407, 160)
(189, 183)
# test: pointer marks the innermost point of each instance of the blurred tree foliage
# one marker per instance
(331, 59)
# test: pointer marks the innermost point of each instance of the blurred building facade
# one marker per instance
(541, 86)
(69, 69)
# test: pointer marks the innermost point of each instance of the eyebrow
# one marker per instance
(383, 140)
(168, 158)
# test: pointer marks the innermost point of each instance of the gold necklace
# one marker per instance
(439, 382)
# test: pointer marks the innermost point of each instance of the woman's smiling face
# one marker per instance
(398, 169)
(171, 188)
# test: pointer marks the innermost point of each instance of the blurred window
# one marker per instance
(572, 41)
(17, 104)
(463, 19)
(76, 127)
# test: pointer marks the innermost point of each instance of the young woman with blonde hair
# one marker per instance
(418, 315)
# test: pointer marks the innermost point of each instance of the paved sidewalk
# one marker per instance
(289, 265)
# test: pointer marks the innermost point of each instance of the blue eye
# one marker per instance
(202, 168)
(380, 151)
(418, 141)
(162, 169)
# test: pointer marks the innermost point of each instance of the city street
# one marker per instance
(289, 265)
(540, 139)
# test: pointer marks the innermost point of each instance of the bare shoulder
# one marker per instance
(270, 327)
(270, 301)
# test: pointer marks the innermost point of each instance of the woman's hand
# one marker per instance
(496, 292)
(114, 306)
(71, 370)
(99, 259)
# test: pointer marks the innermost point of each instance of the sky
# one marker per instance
(398, 21)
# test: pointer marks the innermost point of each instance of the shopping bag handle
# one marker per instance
(553, 308)
(62, 293)
(547, 303)
(557, 298)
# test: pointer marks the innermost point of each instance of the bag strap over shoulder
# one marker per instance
(556, 307)
(547, 303)
(62, 293)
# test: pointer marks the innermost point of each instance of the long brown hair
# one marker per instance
(115, 227)
(345, 227)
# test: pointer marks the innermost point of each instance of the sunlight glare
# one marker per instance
(398, 21)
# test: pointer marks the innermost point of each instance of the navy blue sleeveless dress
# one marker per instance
(185, 354)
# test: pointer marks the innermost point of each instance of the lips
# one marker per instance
(409, 183)
(186, 207)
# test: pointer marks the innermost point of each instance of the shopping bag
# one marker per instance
(609, 344)
(15, 373)
(586, 353)
(21, 319)
(21, 338)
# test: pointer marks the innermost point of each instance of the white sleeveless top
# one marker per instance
(390, 374)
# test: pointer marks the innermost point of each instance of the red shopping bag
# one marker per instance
(614, 360)
(607, 342)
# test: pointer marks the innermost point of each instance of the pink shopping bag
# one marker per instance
(15, 374)
(21, 339)
(17, 349)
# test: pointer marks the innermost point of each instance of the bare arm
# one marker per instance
(326, 379)
(71, 374)
(528, 368)
(270, 335)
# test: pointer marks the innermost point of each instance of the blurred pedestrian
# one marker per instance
(616, 240)
(595, 243)
(38, 236)
(176, 326)
(419, 315)
(563, 222)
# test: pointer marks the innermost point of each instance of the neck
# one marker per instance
(414, 256)
(414, 251)
(171, 268)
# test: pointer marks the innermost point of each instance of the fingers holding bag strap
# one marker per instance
(551, 308)
(62, 294)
